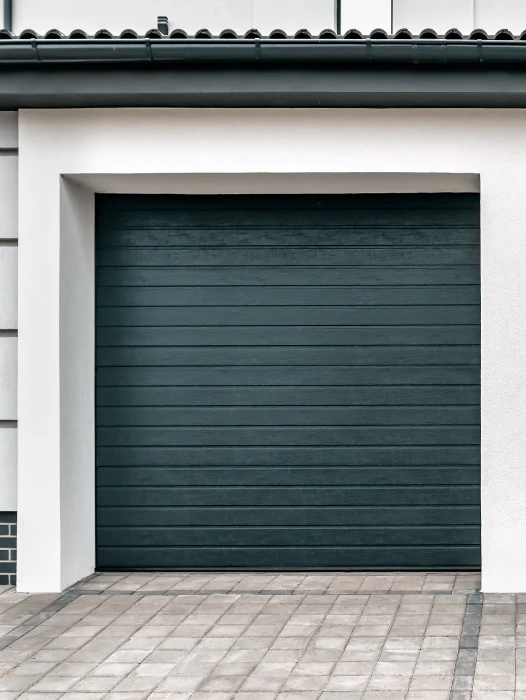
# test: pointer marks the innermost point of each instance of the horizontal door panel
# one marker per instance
(126, 475)
(114, 204)
(292, 497)
(314, 255)
(288, 396)
(288, 435)
(294, 295)
(319, 212)
(287, 456)
(454, 558)
(339, 355)
(292, 537)
(263, 276)
(287, 316)
(321, 216)
(293, 415)
(287, 335)
(317, 516)
(301, 234)
(286, 376)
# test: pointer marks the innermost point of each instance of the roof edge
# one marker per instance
(241, 86)
(157, 51)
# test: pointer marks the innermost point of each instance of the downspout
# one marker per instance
(8, 15)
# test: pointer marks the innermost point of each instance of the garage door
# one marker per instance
(288, 382)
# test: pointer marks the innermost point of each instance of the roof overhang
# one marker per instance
(167, 72)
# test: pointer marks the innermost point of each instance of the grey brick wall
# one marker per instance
(7, 549)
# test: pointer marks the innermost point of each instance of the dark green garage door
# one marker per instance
(288, 382)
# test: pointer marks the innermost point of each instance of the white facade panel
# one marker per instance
(8, 451)
(8, 196)
(8, 287)
(8, 130)
(8, 382)
(117, 15)
(292, 15)
(504, 14)
(417, 15)
(366, 16)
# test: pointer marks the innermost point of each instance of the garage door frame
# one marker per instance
(67, 154)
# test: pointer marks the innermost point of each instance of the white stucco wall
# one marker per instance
(215, 15)
(494, 15)
(265, 15)
(465, 15)
(293, 15)
(441, 16)
(153, 150)
(366, 16)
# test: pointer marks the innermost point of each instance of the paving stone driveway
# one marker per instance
(264, 637)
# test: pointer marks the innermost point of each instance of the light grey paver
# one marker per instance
(239, 636)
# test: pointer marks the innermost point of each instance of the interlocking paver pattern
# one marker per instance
(327, 636)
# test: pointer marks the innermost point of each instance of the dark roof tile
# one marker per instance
(504, 35)
(154, 34)
(327, 34)
(353, 34)
(303, 34)
(78, 34)
(54, 34)
(479, 35)
(203, 34)
(253, 34)
(453, 34)
(29, 34)
(428, 34)
(379, 34)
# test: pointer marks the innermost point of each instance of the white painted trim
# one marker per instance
(77, 395)
(217, 150)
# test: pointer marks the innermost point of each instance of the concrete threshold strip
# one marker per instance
(464, 673)
(237, 591)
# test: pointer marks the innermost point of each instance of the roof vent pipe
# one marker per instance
(162, 24)
(8, 15)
